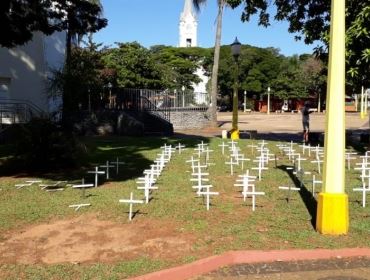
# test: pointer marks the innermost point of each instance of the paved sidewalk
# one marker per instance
(310, 264)
(332, 269)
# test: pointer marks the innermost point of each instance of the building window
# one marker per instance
(4, 87)
(188, 42)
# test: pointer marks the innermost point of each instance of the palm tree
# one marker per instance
(216, 57)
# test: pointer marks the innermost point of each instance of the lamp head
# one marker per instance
(236, 48)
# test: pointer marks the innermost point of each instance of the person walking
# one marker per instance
(306, 120)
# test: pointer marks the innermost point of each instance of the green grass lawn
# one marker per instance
(229, 225)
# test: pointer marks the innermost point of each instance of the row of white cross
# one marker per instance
(199, 174)
(147, 182)
(247, 181)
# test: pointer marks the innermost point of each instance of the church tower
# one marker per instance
(188, 26)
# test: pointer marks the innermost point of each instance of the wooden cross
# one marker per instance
(97, 173)
(131, 201)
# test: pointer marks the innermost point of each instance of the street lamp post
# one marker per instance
(245, 101)
(110, 94)
(235, 50)
(183, 96)
(268, 100)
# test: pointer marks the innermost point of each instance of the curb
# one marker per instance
(243, 257)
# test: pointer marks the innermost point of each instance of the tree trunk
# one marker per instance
(66, 111)
(216, 59)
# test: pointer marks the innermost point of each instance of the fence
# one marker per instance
(161, 99)
(17, 111)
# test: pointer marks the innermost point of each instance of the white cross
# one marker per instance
(241, 158)
(199, 179)
(363, 169)
(83, 188)
(231, 162)
(290, 188)
(318, 161)
(131, 201)
(260, 168)
(78, 206)
(56, 184)
(28, 183)
(192, 161)
(253, 193)
(107, 166)
(299, 174)
(97, 173)
(180, 147)
(207, 151)
(263, 143)
(298, 159)
(349, 157)
(147, 188)
(305, 147)
(364, 191)
(314, 183)
(207, 193)
(223, 145)
(252, 148)
(117, 163)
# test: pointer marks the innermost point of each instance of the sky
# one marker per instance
(156, 22)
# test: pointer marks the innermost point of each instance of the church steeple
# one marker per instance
(188, 26)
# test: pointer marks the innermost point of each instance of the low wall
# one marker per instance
(189, 119)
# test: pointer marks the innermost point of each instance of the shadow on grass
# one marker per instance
(137, 153)
(306, 196)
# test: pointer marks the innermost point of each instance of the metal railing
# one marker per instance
(173, 100)
(158, 102)
(13, 111)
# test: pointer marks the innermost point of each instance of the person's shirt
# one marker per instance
(305, 114)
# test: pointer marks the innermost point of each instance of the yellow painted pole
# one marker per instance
(235, 130)
(362, 114)
(365, 103)
(268, 100)
(332, 209)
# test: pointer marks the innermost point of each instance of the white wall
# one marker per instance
(27, 68)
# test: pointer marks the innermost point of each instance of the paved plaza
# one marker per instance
(282, 126)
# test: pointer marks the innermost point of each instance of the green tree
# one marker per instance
(311, 21)
(179, 65)
(134, 65)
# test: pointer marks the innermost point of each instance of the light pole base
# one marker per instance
(234, 134)
(332, 214)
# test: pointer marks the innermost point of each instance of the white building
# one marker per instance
(188, 26)
(24, 70)
(188, 30)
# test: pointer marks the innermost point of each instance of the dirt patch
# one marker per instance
(88, 240)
